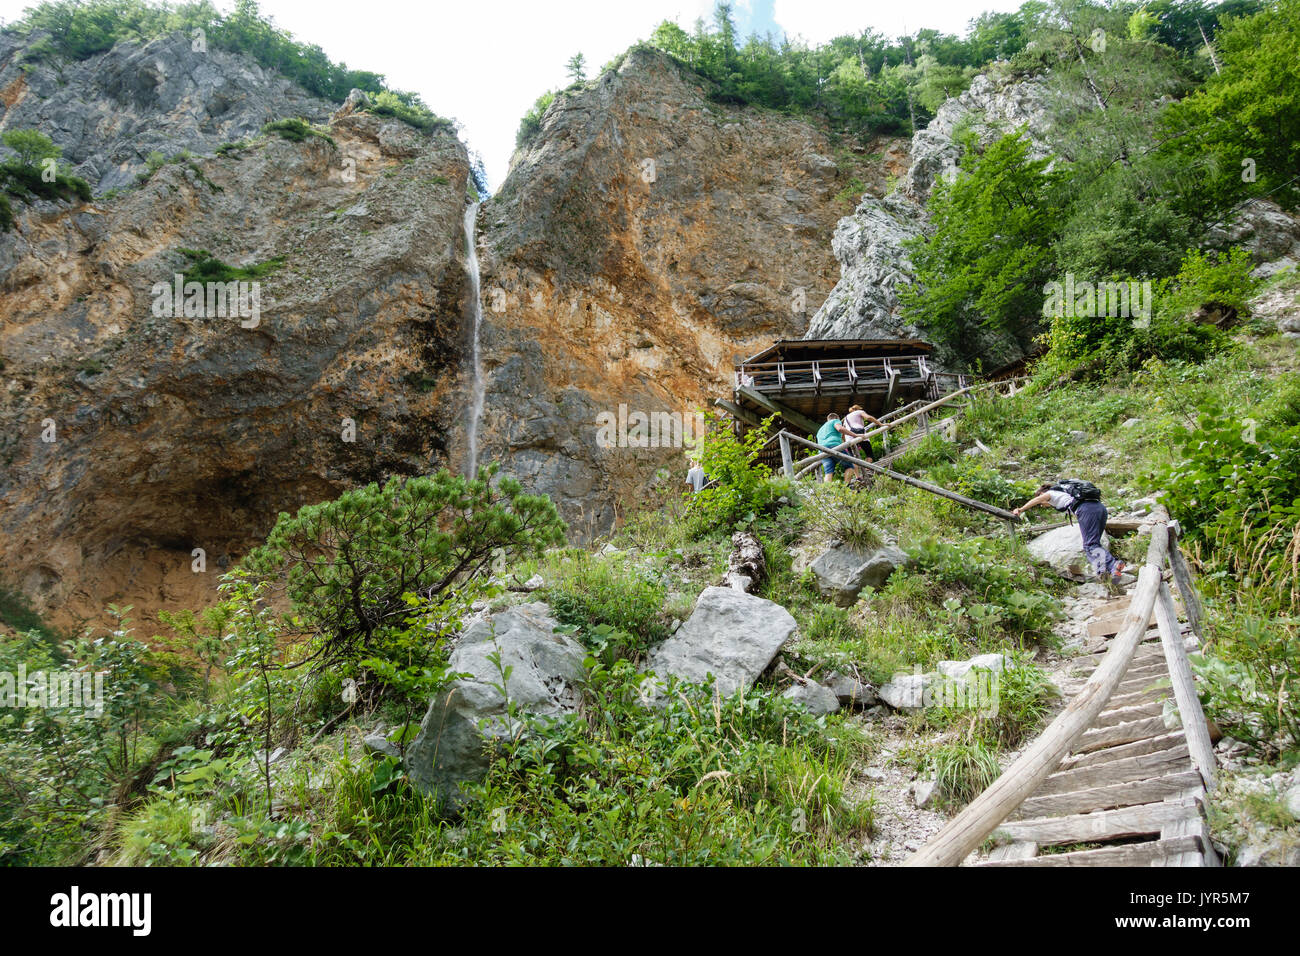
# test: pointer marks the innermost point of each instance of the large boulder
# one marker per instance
(732, 635)
(843, 571)
(453, 745)
(1062, 549)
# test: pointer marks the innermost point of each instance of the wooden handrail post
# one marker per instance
(1186, 585)
(787, 459)
(966, 831)
(1190, 713)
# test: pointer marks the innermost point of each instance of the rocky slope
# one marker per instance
(110, 111)
(869, 244)
(645, 239)
(130, 438)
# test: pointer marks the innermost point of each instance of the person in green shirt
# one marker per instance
(831, 435)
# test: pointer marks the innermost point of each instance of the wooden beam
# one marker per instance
(1099, 825)
(906, 479)
(777, 408)
(1180, 675)
(787, 459)
(971, 826)
(1113, 796)
(744, 414)
(1153, 853)
(1120, 770)
(1186, 585)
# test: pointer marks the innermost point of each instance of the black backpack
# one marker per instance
(1079, 490)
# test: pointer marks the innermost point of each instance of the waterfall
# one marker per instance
(477, 387)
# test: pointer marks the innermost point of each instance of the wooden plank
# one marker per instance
(969, 828)
(1098, 826)
(1136, 749)
(1123, 715)
(777, 408)
(1186, 585)
(1119, 770)
(1130, 854)
(1130, 793)
(1180, 675)
(1014, 851)
(1121, 734)
(1194, 827)
(1140, 697)
(787, 461)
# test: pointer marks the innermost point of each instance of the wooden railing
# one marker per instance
(968, 830)
(853, 373)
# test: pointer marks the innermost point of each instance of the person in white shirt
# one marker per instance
(856, 422)
(696, 478)
(1092, 517)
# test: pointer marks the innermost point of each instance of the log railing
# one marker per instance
(968, 830)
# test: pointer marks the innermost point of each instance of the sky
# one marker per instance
(485, 62)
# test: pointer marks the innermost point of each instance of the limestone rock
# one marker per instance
(958, 670)
(842, 571)
(815, 697)
(851, 691)
(1062, 549)
(732, 635)
(906, 691)
(463, 721)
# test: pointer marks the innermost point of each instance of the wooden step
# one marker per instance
(1099, 826)
(1131, 793)
(1150, 745)
(1153, 853)
(1145, 696)
(1121, 770)
(1121, 734)
(1122, 715)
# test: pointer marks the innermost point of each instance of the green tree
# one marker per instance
(346, 564)
(984, 264)
(576, 67)
(1245, 124)
(31, 146)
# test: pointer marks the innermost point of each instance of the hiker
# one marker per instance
(1081, 499)
(856, 421)
(831, 435)
(696, 478)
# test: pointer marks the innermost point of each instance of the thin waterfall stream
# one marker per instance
(477, 388)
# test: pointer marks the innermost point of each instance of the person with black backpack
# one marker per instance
(1082, 500)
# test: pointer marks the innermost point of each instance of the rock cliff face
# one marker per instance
(131, 436)
(870, 243)
(646, 238)
(109, 112)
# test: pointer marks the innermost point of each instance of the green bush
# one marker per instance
(835, 512)
(296, 130)
(593, 591)
(348, 564)
(961, 771)
(740, 489)
(205, 267)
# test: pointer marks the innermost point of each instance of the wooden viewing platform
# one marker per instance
(802, 381)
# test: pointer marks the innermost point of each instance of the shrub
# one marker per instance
(531, 124)
(593, 591)
(205, 267)
(961, 770)
(347, 564)
(835, 512)
(296, 130)
(740, 485)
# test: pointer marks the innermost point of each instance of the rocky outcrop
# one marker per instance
(870, 244)
(132, 435)
(730, 635)
(642, 241)
(843, 571)
(110, 111)
(464, 722)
